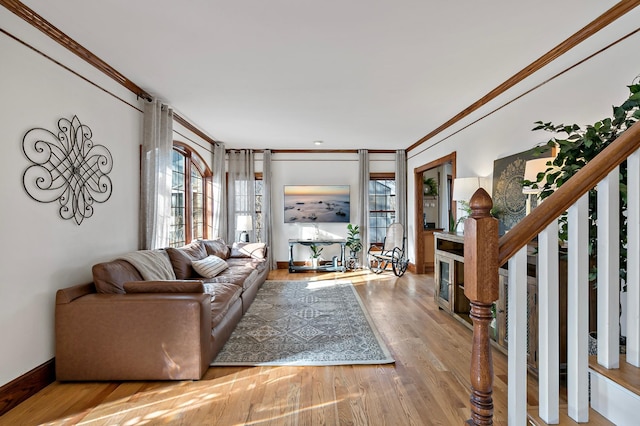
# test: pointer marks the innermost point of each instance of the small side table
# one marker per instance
(323, 242)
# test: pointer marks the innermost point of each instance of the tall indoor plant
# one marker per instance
(575, 148)
(354, 244)
(353, 239)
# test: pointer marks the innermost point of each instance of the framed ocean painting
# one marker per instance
(316, 203)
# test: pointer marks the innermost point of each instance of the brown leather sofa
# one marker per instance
(125, 327)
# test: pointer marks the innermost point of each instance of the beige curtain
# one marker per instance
(363, 202)
(401, 188)
(267, 225)
(155, 180)
(219, 207)
(241, 192)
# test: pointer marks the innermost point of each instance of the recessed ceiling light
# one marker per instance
(318, 142)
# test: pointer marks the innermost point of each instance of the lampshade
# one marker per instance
(531, 170)
(464, 188)
(244, 223)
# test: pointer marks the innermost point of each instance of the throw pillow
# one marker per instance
(254, 250)
(182, 257)
(210, 266)
(217, 248)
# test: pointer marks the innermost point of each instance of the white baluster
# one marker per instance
(578, 311)
(633, 259)
(609, 271)
(548, 325)
(517, 331)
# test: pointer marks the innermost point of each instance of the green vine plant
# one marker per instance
(575, 147)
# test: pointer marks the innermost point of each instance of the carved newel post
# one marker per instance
(481, 288)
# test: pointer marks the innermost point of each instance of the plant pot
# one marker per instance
(593, 343)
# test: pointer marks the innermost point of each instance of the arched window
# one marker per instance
(190, 196)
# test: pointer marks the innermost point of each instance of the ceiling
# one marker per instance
(282, 74)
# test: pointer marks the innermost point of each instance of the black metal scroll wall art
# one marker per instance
(67, 168)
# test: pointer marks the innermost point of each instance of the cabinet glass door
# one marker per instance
(444, 275)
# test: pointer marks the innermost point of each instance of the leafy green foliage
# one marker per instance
(315, 251)
(353, 239)
(466, 207)
(430, 186)
(576, 147)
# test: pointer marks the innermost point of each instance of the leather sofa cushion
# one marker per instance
(182, 257)
(254, 250)
(164, 287)
(223, 295)
(217, 248)
(237, 272)
(109, 277)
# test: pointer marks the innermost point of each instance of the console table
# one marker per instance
(340, 267)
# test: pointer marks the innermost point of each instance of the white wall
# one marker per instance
(582, 95)
(41, 252)
(316, 169)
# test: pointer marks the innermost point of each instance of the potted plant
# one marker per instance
(315, 255)
(430, 186)
(354, 244)
(353, 239)
(576, 147)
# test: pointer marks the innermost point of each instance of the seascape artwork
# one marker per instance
(316, 203)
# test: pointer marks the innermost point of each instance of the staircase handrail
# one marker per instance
(566, 195)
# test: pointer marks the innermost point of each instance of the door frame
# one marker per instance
(419, 206)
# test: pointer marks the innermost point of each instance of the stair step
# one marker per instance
(594, 418)
(626, 376)
(615, 393)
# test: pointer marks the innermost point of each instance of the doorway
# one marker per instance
(434, 208)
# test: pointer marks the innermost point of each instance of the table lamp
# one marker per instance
(244, 224)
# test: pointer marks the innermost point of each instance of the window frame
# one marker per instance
(194, 160)
(259, 225)
(376, 177)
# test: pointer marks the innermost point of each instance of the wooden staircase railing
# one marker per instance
(485, 253)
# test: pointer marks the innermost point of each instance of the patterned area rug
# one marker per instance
(305, 323)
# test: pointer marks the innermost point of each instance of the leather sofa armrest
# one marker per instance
(69, 294)
(172, 286)
(133, 337)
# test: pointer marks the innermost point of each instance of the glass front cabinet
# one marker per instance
(449, 275)
(444, 277)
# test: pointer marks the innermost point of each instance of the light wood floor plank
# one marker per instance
(427, 385)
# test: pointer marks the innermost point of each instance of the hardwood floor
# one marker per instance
(427, 385)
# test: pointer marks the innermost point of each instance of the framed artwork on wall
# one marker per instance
(316, 204)
(509, 202)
